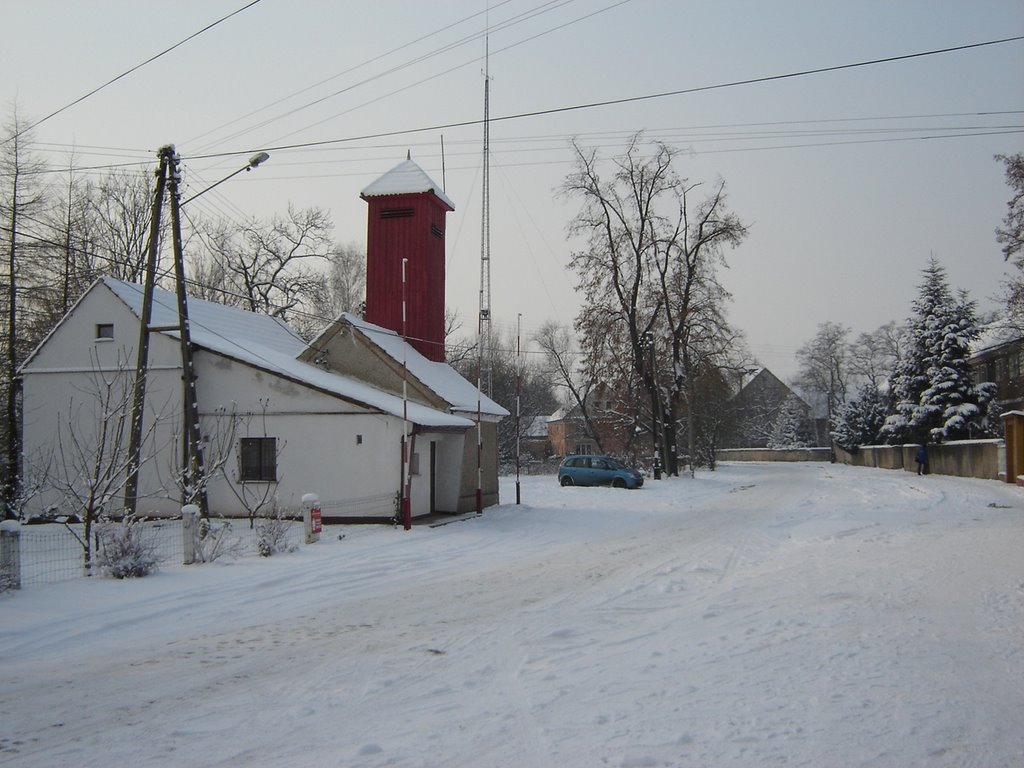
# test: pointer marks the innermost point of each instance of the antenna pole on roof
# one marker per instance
(444, 182)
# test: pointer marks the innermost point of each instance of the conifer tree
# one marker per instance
(860, 420)
(790, 430)
(933, 392)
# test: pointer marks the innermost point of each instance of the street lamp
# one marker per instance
(255, 161)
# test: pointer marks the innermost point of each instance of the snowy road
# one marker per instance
(800, 614)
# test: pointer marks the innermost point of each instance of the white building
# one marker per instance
(279, 418)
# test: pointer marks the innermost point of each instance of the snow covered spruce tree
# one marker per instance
(934, 395)
(790, 428)
(860, 420)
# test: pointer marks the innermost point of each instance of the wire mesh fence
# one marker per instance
(55, 552)
(382, 505)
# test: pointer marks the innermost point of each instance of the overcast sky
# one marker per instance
(849, 180)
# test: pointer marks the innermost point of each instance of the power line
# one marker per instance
(669, 134)
(443, 49)
(444, 72)
(130, 71)
(617, 102)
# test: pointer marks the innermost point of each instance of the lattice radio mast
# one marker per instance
(485, 340)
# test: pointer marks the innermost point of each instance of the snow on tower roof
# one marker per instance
(406, 178)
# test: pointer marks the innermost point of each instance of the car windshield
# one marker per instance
(613, 464)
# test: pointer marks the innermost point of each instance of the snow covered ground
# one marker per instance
(802, 614)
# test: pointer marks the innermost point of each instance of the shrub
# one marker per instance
(212, 541)
(272, 535)
(126, 548)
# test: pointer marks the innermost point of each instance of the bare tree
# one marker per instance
(824, 370)
(459, 351)
(272, 267)
(1011, 233)
(511, 376)
(872, 356)
(90, 458)
(346, 280)
(648, 273)
(120, 207)
(21, 195)
(1011, 236)
(576, 382)
(63, 254)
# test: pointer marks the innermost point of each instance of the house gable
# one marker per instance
(755, 410)
(369, 350)
(98, 332)
(346, 350)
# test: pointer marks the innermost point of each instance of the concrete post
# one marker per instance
(311, 517)
(10, 555)
(189, 522)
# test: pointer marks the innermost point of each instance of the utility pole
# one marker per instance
(193, 466)
(131, 488)
(168, 176)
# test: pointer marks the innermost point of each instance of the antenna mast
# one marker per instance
(485, 342)
(483, 337)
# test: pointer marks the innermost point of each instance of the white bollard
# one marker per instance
(311, 517)
(189, 518)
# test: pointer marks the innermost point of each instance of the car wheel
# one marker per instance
(618, 482)
(566, 481)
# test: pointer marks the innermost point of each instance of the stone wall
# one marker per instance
(962, 458)
(768, 454)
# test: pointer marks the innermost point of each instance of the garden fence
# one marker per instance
(31, 555)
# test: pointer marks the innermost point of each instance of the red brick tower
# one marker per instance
(406, 220)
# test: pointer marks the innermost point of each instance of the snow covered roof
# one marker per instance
(440, 378)
(560, 414)
(269, 344)
(538, 427)
(406, 178)
(995, 335)
(213, 326)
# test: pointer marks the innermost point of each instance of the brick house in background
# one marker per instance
(998, 356)
(610, 432)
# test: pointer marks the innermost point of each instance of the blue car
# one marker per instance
(597, 470)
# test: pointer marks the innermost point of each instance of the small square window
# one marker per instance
(359, 439)
(257, 459)
(104, 330)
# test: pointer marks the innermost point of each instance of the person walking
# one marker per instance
(922, 460)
